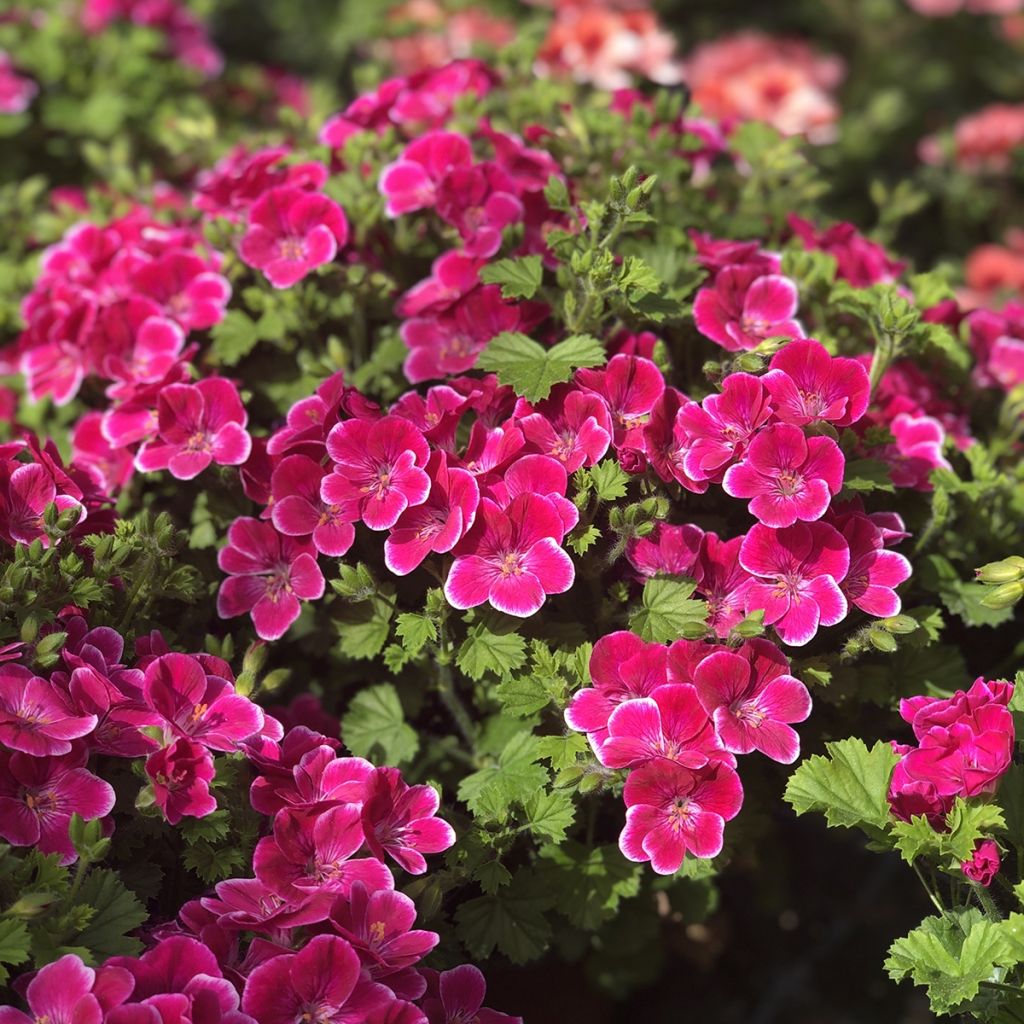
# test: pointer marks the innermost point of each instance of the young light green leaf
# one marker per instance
(519, 277)
(667, 612)
(376, 722)
(532, 370)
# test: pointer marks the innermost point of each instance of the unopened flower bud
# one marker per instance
(1009, 570)
(1005, 596)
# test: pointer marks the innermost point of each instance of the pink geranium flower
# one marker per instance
(30, 491)
(723, 582)
(312, 777)
(631, 387)
(622, 667)
(745, 307)
(61, 992)
(291, 232)
(247, 904)
(411, 182)
(156, 347)
(572, 426)
(36, 716)
(38, 795)
(297, 509)
(378, 470)
(16, 91)
(319, 983)
(717, 431)
(511, 558)
(917, 451)
(799, 569)
(667, 549)
(186, 287)
(56, 368)
(672, 810)
(808, 385)
(269, 575)
(752, 699)
(439, 523)
(981, 868)
(479, 202)
(457, 996)
(452, 275)
(198, 424)
(90, 449)
(398, 821)
(669, 725)
(180, 774)
(787, 476)
(874, 572)
(859, 260)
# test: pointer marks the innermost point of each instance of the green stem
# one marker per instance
(450, 699)
(76, 882)
(928, 889)
(987, 903)
(885, 351)
(1000, 987)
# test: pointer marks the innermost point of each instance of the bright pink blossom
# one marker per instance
(16, 91)
(808, 385)
(753, 700)
(297, 509)
(982, 867)
(859, 260)
(799, 569)
(480, 203)
(91, 450)
(672, 810)
(199, 424)
(569, 425)
(36, 716)
(181, 774)
(291, 232)
(309, 775)
(722, 582)
(874, 572)
(269, 575)
(186, 287)
(787, 476)
(667, 549)
(30, 489)
(457, 996)
(917, 451)
(745, 307)
(411, 182)
(630, 385)
(61, 992)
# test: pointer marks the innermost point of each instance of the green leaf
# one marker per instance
(14, 945)
(492, 875)
(363, 628)
(589, 882)
(523, 695)
(491, 645)
(951, 956)
(511, 921)
(375, 721)
(563, 751)
(516, 777)
(966, 824)
(549, 814)
(415, 631)
(581, 541)
(667, 612)
(610, 480)
(863, 475)
(519, 278)
(234, 337)
(532, 370)
(849, 786)
(117, 912)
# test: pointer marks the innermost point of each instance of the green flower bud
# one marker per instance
(1005, 571)
(1005, 596)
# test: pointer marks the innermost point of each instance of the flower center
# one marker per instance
(788, 482)
(377, 931)
(291, 249)
(747, 712)
(198, 442)
(680, 814)
(512, 564)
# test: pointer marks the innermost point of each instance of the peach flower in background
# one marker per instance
(982, 141)
(993, 272)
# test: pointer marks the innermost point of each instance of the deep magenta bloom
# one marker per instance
(745, 307)
(723, 582)
(186, 288)
(572, 426)
(981, 868)
(291, 232)
(622, 667)
(439, 523)
(92, 451)
(30, 490)
(198, 424)
(38, 795)
(457, 996)
(197, 706)
(808, 385)
(16, 91)
(269, 575)
(752, 699)
(316, 779)
(667, 549)
(297, 509)
(672, 810)
(874, 572)
(787, 476)
(36, 716)
(511, 558)
(799, 569)
(62, 993)
(321, 983)
(398, 821)
(917, 451)
(480, 203)
(249, 904)
(181, 774)
(156, 348)
(859, 260)
(669, 725)
(378, 470)
(411, 182)
(630, 386)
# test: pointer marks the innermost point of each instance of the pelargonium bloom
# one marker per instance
(982, 867)
(752, 699)
(672, 810)
(569, 425)
(186, 287)
(30, 491)
(808, 385)
(511, 558)
(630, 385)
(874, 572)
(667, 549)
(745, 307)
(269, 575)
(36, 716)
(457, 996)
(61, 992)
(297, 510)
(722, 582)
(787, 476)
(291, 232)
(799, 569)
(917, 451)
(180, 775)
(378, 470)
(411, 182)
(669, 725)
(198, 424)
(398, 821)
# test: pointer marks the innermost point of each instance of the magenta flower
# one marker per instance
(291, 232)
(320, 983)
(38, 795)
(91, 450)
(752, 700)
(36, 716)
(30, 491)
(745, 307)
(248, 904)
(457, 996)
(511, 558)
(667, 549)
(62, 993)
(874, 572)
(572, 426)
(378, 470)
(479, 203)
(787, 476)
(672, 810)
(298, 511)
(156, 348)
(631, 387)
(198, 424)
(269, 575)
(981, 868)
(56, 368)
(411, 182)
(808, 385)
(859, 260)
(181, 774)
(717, 431)
(316, 779)
(398, 821)
(917, 451)
(452, 276)
(799, 569)
(439, 523)
(723, 582)
(669, 725)
(186, 288)
(16, 91)
(622, 667)
(197, 706)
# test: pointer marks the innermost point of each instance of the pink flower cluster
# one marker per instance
(997, 341)
(675, 717)
(983, 142)
(16, 91)
(964, 746)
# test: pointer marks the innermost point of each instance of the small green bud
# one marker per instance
(882, 640)
(1008, 570)
(31, 904)
(1005, 596)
